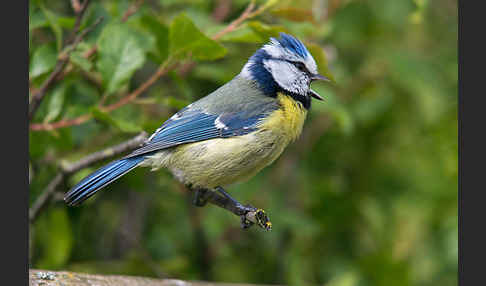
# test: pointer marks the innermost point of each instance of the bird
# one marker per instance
(229, 135)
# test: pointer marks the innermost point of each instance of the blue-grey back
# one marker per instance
(239, 94)
(234, 109)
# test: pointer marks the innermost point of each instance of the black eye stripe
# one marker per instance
(300, 66)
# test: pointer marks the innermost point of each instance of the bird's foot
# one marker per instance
(248, 214)
(256, 216)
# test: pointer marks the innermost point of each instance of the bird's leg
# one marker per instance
(241, 209)
(249, 215)
(201, 197)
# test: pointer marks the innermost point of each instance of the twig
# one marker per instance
(61, 63)
(80, 37)
(132, 10)
(235, 23)
(79, 9)
(90, 52)
(221, 10)
(68, 169)
(76, 6)
(248, 13)
(69, 68)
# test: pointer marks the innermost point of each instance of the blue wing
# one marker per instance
(189, 126)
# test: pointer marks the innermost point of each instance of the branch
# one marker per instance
(43, 277)
(68, 169)
(41, 92)
(162, 70)
(123, 101)
(45, 197)
(167, 66)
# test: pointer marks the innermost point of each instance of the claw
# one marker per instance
(256, 216)
(262, 220)
(245, 223)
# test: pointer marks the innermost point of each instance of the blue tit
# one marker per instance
(231, 134)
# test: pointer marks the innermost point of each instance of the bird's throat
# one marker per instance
(288, 119)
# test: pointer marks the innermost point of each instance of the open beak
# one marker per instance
(315, 95)
(317, 77)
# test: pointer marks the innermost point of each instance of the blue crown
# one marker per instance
(292, 44)
(261, 74)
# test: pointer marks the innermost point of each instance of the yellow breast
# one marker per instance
(223, 161)
(288, 120)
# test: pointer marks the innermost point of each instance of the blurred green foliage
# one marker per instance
(366, 196)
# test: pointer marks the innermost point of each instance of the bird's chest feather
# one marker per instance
(287, 121)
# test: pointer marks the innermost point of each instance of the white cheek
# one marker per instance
(281, 71)
(287, 76)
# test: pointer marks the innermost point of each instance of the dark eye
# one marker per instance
(300, 66)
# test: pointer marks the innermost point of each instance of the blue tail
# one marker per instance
(100, 178)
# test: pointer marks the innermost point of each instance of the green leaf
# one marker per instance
(80, 61)
(56, 102)
(121, 53)
(254, 32)
(183, 86)
(43, 60)
(175, 103)
(94, 12)
(321, 60)
(185, 38)
(269, 4)
(266, 31)
(37, 19)
(243, 35)
(161, 34)
(53, 20)
(66, 22)
(122, 125)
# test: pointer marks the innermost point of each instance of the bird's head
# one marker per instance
(284, 65)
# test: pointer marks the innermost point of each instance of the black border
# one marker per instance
(14, 23)
(472, 155)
